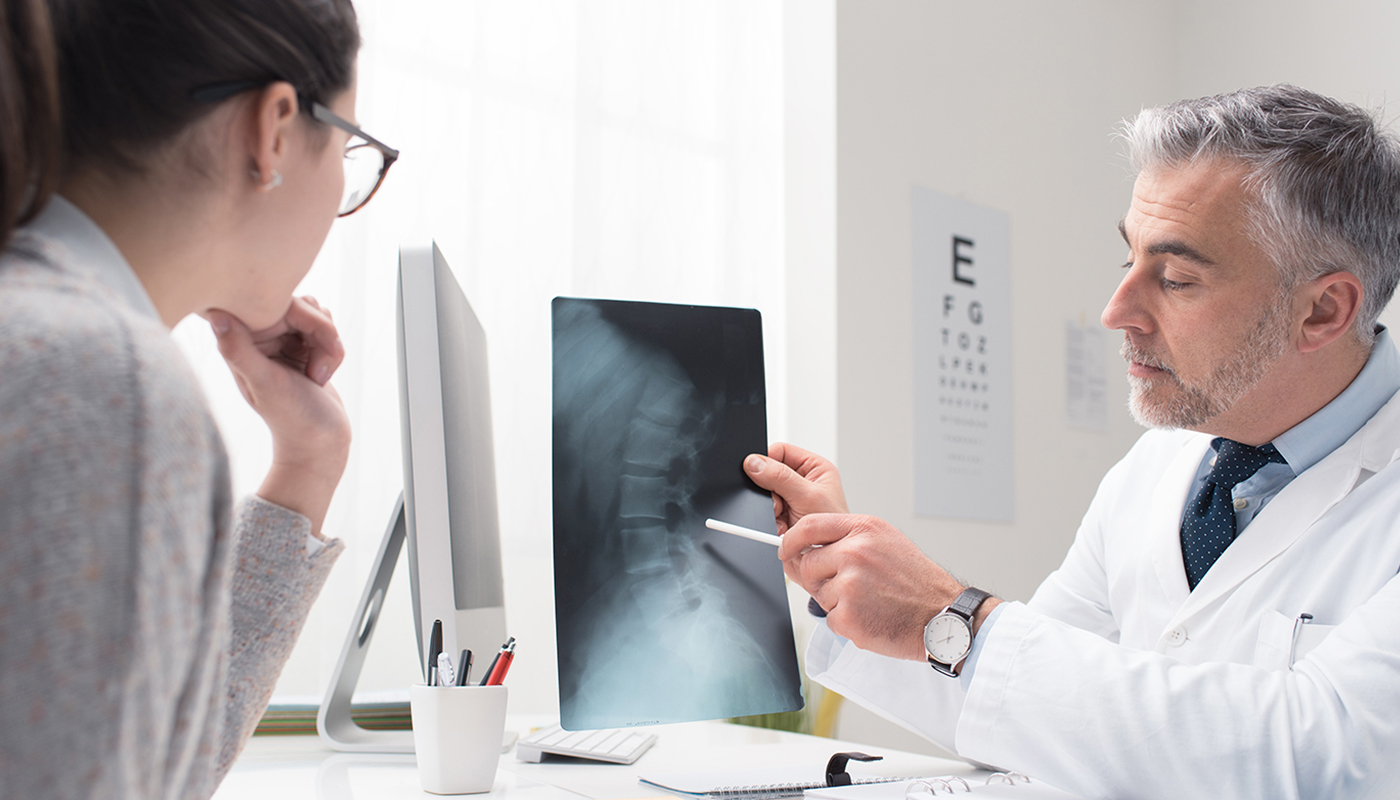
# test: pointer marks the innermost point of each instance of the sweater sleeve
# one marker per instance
(274, 584)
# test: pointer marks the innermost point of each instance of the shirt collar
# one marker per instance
(1312, 439)
(93, 252)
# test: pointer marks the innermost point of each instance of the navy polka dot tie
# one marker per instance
(1208, 526)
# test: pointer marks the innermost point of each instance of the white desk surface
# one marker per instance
(302, 767)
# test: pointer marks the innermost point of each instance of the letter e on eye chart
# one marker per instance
(962, 359)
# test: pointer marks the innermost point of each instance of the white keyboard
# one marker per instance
(619, 746)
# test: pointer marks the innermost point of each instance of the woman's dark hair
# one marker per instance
(29, 112)
(129, 67)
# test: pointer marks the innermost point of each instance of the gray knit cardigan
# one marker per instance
(143, 619)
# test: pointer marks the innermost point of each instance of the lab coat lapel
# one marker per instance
(1299, 506)
(1164, 535)
(1278, 526)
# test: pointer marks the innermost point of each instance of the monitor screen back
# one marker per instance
(449, 460)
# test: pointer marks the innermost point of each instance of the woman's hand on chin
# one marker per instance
(284, 373)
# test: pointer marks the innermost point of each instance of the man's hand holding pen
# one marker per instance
(877, 587)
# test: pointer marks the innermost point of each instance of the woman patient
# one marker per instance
(144, 616)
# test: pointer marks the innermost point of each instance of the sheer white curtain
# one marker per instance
(604, 148)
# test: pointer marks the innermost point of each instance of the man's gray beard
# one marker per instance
(1190, 407)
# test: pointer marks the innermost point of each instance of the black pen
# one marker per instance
(465, 662)
(434, 649)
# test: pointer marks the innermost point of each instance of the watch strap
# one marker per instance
(968, 602)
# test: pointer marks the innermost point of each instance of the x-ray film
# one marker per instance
(659, 618)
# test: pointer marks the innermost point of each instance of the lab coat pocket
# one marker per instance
(1275, 649)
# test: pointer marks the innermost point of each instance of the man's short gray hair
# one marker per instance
(1324, 175)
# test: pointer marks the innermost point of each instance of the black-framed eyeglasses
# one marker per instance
(367, 160)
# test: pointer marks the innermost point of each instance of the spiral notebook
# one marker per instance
(795, 782)
(748, 784)
(981, 786)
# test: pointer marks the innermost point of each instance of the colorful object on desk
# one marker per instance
(490, 668)
(288, 719)
(502, 665)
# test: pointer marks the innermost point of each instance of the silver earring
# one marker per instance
(271, 184)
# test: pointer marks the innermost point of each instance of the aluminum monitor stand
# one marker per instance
(333, 720)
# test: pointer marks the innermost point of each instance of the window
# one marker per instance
(629, 150)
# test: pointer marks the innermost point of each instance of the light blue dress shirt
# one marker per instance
(1311, 440)
(1303, 445)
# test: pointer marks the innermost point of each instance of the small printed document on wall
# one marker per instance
(1086, 376)
(962, 359)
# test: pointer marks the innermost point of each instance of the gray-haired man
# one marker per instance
(1227, 621)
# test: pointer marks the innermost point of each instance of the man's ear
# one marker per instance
(273, 111)
(1330, 305)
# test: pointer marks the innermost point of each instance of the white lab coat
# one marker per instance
(1115, 680)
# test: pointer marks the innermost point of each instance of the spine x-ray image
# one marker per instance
(659, 618)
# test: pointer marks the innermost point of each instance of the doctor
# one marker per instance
(1227, 621)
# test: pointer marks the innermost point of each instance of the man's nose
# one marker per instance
(1127, 308)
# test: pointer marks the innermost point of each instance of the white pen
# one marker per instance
(766, 538)
(1298, 624)
(446, 675)
(740, 530)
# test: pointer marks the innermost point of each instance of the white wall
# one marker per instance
(1346, 50)
(1011, 105)
(1343, 49)
(809, 213)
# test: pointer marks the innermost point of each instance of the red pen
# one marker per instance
(502, 665)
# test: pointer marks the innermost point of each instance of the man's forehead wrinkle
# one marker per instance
(1167, 208)
(1178, 212)
(1159, 235)
(1156, 216)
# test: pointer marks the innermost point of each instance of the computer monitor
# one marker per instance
(448, 511)
(449, 466)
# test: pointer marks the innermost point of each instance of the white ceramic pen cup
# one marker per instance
(457, 736)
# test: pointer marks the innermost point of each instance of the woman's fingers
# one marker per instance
(306, 340)
(238, 348)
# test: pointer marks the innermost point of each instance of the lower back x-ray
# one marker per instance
(659, 618)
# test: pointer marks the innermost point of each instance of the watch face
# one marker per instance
(947, 638)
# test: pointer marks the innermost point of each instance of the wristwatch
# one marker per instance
(948, 636)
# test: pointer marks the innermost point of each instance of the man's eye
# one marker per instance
(1173, 286)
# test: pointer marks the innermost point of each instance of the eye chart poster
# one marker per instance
(962, 359)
